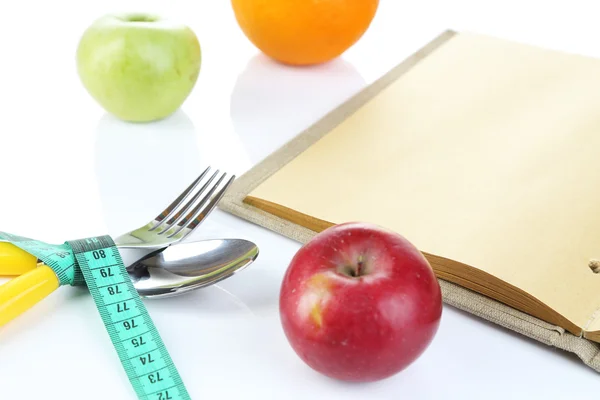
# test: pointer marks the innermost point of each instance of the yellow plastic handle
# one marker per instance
(20, 294)
(15, 261)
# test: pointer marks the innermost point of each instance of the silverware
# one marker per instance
(188, 266)
(179, 219)
(171, 226)
(176, 222)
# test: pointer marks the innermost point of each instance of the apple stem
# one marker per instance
(353, 269)
(595, 266)
(359, 268)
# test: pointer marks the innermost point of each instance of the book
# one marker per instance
(483, 152)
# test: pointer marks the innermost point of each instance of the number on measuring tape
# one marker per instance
(99, 254)
(149, 367)
(134, 336)
(97, 263)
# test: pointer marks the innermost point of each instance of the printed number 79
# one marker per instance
(106, 272)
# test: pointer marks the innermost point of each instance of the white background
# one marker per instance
(70, 171)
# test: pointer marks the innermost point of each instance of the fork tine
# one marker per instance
(196, 219)
(167, 212)
(203, 201)
(211, 206)
(190, 203)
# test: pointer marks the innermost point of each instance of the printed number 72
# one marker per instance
(164, 395)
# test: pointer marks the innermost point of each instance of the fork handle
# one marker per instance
(20, 294)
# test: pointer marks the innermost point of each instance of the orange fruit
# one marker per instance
(304, 32)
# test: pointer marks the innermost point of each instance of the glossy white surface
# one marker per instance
(70, 171)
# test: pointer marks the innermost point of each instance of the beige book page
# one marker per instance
(486, 152)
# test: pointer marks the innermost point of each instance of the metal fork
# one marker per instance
(180, 218)
(172, 225)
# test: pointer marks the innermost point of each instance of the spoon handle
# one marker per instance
(15, 261)
(23, 292)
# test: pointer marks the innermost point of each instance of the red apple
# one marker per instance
(359, 302)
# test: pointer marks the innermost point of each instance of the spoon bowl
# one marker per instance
(183, 267)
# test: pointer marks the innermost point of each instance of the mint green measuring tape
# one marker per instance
(96, 262)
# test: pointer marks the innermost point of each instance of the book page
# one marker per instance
(486, 152)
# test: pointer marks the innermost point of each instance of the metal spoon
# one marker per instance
(183, 267)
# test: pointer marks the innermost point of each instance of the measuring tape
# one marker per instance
(96, 262)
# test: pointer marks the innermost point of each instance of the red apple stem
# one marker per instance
(359, 268)
(595, 266)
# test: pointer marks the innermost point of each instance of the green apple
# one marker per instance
(138, 67)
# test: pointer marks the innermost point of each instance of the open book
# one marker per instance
(485, 154)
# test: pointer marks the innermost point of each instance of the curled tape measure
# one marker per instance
(96, 262)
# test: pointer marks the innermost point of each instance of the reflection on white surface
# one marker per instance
(271, 103)
(209, 302)
(136, 161)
